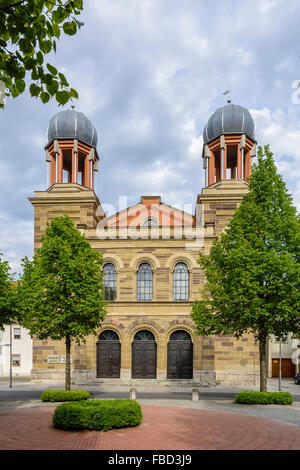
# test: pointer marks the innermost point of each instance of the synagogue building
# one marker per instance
(150, 255)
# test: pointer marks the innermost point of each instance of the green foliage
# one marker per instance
(97, 415)
(60, 290)
(264, 398)
(59, 294)
(253, 270)
(64, 395)
(28, 32)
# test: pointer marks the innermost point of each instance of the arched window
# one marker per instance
(144, 283)
(144, 335)
(181, 282)
(180, 335)
(110, 282)
(108, 335)
(150, 223)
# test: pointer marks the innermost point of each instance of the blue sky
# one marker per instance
(149, 73)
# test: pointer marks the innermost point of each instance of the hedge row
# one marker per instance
(64, 395)
(264, 398)
(97, 415)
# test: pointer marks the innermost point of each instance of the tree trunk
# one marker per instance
(263, 363)
(68, 368)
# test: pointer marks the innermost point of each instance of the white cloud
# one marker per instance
(281, 132)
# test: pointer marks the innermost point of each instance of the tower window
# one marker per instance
(181, 282)
(144, 283)
(110, 282)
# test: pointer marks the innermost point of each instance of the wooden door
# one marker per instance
(108, 359)
(144, 359)
(287, 368)
(180, 360)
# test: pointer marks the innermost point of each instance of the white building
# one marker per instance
(21, 351)
(288, 350)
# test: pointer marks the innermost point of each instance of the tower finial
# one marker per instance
(226, 93)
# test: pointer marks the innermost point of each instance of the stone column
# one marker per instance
(225, 163)
(211, 169)
(239, 163)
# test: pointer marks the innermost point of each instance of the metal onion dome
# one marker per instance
(229, 119)
(71, 124)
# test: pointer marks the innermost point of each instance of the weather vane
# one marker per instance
(227, 92)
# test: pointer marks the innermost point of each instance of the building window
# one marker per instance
(17, 333)
(150, 223)
(181, 282)
(16, 360)
(110, 282)
(144, 283)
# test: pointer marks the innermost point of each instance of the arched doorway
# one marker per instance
(108, 355)
(144, 355)
(180, 356)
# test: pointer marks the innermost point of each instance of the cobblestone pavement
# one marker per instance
(162, 428)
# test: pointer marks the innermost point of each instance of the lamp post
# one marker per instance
(10, 357)
(279, 383)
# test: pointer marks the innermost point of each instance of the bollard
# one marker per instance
(132, 394)
(195, 394)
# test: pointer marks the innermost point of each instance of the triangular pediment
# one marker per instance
(150, 208)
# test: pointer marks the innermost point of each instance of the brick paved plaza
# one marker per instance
(162, 428)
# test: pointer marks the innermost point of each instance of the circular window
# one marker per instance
(150, 223)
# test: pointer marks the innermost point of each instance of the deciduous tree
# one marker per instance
(253, 270)
(60, 290)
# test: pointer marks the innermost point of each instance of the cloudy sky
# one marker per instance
(149, 73)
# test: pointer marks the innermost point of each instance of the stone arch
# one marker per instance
(114, 326)
(183, 257)
(144, 258)
(114, 259)
(145, 325)
(181, 325)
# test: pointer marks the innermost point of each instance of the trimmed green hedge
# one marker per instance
(97, 415)
(264, 398)
(64, 395)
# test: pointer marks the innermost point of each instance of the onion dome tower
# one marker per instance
(229, 144)
(71, 150)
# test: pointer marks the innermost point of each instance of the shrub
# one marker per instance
(64, 395)
(264, 398)
(97, 415)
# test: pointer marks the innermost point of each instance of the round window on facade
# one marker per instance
(150, 223)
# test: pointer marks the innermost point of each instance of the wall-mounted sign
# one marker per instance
(53, 359)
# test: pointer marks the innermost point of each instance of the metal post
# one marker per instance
(279, 384)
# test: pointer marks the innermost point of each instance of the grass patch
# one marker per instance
(264, 398)
(99, 415)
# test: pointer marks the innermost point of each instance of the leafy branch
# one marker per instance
(28, 32)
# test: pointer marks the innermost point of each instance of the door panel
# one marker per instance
(180, 360)
(144, 359)
(108, 359)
